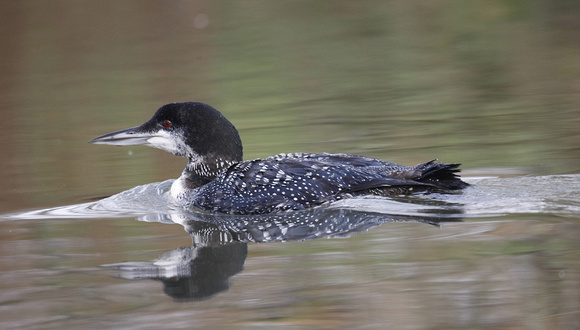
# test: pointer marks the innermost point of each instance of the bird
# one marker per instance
(217, 179)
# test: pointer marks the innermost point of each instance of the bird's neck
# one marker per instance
(199, 172)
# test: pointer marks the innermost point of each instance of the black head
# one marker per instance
(192, 129)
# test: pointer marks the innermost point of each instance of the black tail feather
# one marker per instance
(441, 175)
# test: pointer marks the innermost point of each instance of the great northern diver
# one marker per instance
(217, 179)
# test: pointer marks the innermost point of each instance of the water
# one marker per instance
(486, 252)
(493, 86)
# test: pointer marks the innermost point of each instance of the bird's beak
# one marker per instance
(127, 137)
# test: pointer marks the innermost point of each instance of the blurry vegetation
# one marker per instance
(487, 84)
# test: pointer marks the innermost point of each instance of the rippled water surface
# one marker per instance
(89, 238)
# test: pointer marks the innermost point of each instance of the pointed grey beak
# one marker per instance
(126, 137)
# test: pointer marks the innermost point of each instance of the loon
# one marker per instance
(218, 180)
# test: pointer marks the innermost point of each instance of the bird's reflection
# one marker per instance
(190, 273)
(220, 248)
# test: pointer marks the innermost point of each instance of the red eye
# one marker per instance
(167, 124)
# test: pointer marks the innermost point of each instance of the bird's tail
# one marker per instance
(441, 175)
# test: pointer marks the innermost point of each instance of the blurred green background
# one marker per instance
(494, 85)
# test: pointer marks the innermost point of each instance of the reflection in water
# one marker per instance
(220, 245)
(319, 222)
(190, 273)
